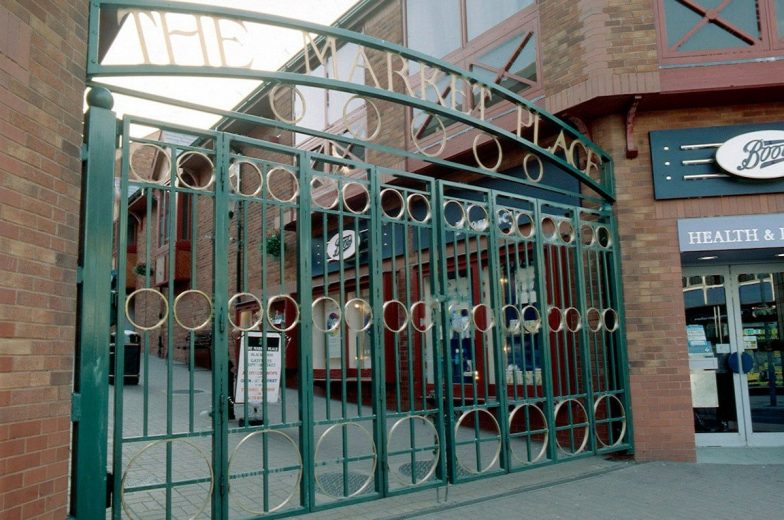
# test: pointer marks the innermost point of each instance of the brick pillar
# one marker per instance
(42, 59)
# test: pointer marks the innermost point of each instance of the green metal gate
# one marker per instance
(268, 331)
(425, 332)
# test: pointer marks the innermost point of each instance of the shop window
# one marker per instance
(779, 7)
(425, 123)
(323, 108)
(133, 231)
(479, 18)
(433, 26)
(695, 28)
(438, 27)
(183, 213)
(511, 65)
(163, 211)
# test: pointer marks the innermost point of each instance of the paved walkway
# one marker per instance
(598, 489)
(750, 487)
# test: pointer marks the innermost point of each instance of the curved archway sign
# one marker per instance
(225, 48)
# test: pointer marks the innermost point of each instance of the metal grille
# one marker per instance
(399, 331)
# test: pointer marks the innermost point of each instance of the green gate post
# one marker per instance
(90, 400)
(305, 293)
(220, 368)
(378, 368)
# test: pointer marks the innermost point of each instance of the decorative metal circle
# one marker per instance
(500, 153)
(463, 324)
(313, 188)
(135, 147)
(543, 449)
(414, 309)
(270, 184)
(180, 170)
(596, 424)
(401, 203)
(296, 93)
(413, 197)
(481, 223)
(132, 461)
(436, 449)
(455, 224)
(197, 293)
(294, 488)
(367, 482)
(531, 326)
(566, 231)
(550, 310)
(236, 180)
(505, 221)
(400, 308)
(603, 236)
(415, 140)
(375, 109)
(367, 319)
(497, 450)
(539, 177)
(325, 301)
(594, 319)
(243, 295)
(573, 319)
(549, 228)
(489, 317)
(611, 323)
(164, 313)
(511, 325)
(272, 318)
(555, 418)
(525, 221)
(587, 235)
(362, 188)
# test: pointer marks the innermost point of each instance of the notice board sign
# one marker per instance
(263, 368)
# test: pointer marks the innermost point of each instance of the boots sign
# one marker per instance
(755, 155)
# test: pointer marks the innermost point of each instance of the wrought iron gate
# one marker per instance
(417, 332)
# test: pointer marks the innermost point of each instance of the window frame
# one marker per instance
(523, 22)
(769, 42)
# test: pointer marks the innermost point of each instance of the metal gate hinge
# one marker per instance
(76, 407)
(83, 151)
(223, 486)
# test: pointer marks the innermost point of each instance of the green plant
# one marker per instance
(142, 269)
(274, 244)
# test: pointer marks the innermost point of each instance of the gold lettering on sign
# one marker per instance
(328, 50)
(362, 62)
(533, 121)
(431, 81)
(458, 98)
(401, 73)
(157, 27)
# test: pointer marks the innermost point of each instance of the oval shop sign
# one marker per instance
(755, 155)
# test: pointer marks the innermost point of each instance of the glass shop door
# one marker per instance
(734, 325)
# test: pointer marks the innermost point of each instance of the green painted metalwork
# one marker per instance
(417, 332)
(454, 390)
(94, 301)
(604, 188)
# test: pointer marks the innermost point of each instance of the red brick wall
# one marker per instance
(42, 56)
(655, 322)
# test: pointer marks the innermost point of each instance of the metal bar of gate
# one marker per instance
(91, 393)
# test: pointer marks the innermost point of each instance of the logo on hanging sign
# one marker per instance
(348, 243)
(755, 155)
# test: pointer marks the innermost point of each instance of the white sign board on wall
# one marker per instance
(736, 232)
